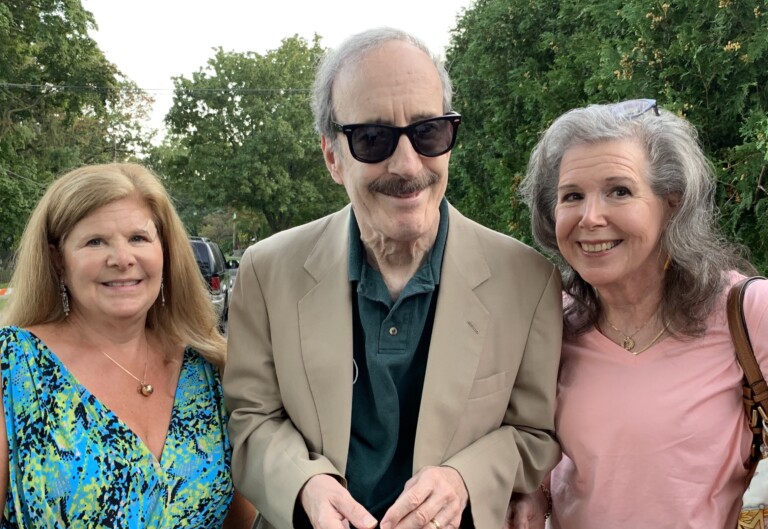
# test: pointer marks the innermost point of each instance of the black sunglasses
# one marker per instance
(374, 143)
(634, 108)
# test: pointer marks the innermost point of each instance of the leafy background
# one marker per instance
(242, 159)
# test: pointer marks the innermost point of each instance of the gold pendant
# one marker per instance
(146, 390)
(628, 343)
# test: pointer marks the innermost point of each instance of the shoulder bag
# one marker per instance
(755, 397)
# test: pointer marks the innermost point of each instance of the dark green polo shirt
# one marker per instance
(391, 343)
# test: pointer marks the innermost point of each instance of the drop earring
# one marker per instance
(162, 293)
(64, 297)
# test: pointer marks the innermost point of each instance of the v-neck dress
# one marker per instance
(75, 464)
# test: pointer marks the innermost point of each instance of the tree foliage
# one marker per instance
(241, 135)
(62, 104)
(518, 64)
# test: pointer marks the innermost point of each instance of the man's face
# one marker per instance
(396, 200)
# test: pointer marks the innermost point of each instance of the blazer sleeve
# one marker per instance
(270, 458)
(518, 455)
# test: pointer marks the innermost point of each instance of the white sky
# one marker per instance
(152, 41)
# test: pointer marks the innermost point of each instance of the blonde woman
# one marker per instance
(113, 414)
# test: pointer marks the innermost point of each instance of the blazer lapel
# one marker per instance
(458, 334)
(325, 327)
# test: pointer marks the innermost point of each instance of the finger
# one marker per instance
(444, 520)
(526, 511)
(521, 513)
(409, 504)
(431, 491)
(355, 513)
(333, 517)
(432, 513)
(329, 505)
(518, 516)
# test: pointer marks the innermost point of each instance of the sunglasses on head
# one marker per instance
(634, 108)
(374, 143)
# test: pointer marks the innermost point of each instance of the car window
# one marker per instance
(218, 257)
(202, 256)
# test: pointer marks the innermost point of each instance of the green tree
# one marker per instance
(518, 64)
(231, 230)
(62, 104)
(241, 136)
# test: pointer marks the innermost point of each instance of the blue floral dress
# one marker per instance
(75, 464)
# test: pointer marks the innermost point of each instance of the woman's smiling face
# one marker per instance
(608, 221)
(113, 262)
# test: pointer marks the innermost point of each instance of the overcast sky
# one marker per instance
(152, 41)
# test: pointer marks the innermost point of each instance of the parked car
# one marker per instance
(219, 274)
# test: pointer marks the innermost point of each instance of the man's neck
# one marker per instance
(397, 261)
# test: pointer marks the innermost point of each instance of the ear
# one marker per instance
(673, 202)
(332, 159)
(58, 260)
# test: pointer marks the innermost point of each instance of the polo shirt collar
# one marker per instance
(434, 260)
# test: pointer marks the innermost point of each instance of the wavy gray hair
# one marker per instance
(350, 52)
(700, 257)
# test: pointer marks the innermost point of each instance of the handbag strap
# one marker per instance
(755, 390)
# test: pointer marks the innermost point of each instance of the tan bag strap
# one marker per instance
(755, 391)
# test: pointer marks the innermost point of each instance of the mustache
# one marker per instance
(397, 185)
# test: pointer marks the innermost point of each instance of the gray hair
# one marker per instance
(350, 52)
(699, 256)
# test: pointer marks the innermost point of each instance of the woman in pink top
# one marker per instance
(649, 395)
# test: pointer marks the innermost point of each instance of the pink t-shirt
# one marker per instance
(657, 440)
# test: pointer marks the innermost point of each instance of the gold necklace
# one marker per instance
(628, 343)
(655, 339)
(144, 388)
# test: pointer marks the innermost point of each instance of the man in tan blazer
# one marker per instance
(394, 362)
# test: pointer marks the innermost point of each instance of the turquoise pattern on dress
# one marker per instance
(75, 464)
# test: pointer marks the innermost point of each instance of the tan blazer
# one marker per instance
(488, 402)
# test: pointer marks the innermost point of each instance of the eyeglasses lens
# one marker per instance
(432, 138)
(376, 143)
(373, 142)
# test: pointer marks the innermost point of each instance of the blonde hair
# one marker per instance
(188, 317)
